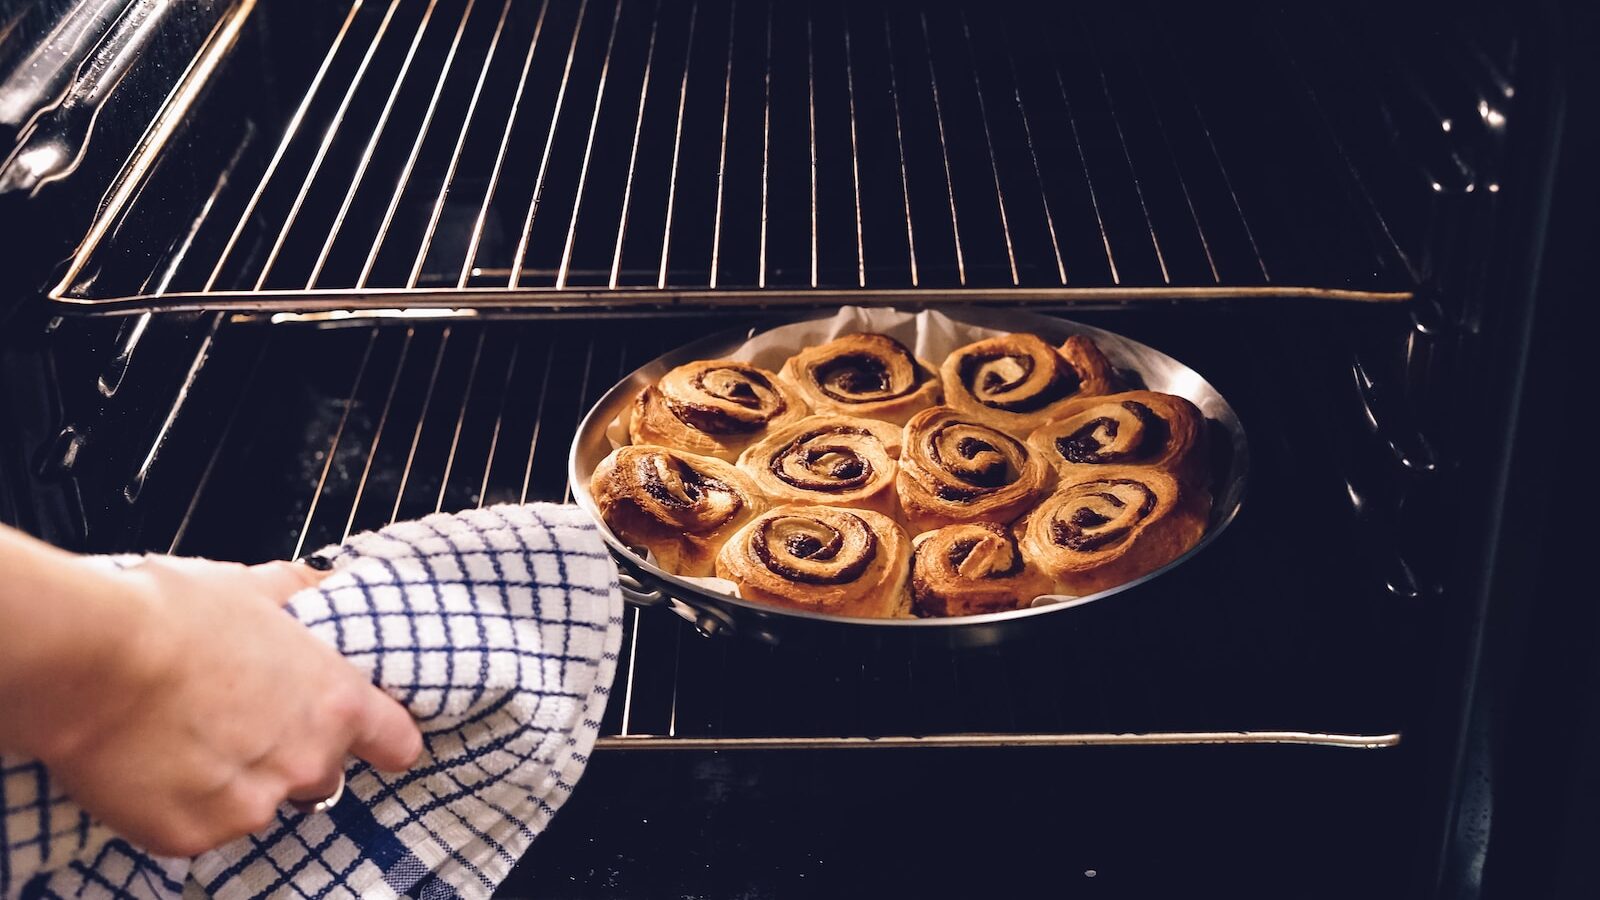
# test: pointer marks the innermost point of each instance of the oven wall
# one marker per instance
(81, 419)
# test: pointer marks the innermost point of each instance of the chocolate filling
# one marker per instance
(960, 550)
(711, 420)
(846, 377)
(1085, 446)
(1071, 533)
(1063, 382)
(805, 546)
(695, 485)
(740, 392)
(846, 474)
(979, 479)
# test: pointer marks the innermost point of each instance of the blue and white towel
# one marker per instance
(497, 628)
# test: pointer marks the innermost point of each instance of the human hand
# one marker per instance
(208, 706)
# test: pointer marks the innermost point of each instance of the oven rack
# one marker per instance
(582, 154)
(395, 419)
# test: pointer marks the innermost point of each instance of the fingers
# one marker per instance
(324, 787)
(387, 736)
(282, 580)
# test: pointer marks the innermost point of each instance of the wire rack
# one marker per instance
(325, 431)
(490, 152)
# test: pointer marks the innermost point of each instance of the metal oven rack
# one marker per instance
(398, 419)
(668, 167)
(474, 153)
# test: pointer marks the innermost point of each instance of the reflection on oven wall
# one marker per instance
(651, 164)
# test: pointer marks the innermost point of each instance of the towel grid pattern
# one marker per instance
(497, 628)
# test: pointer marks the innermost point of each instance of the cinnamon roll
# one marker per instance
(827, 460)
(713, 407)
(954, 468)
(869, 375)
(1141, 428)
(679, 506)
(972, 569)
(1017, 383)
(1107, 525)
(825, 559)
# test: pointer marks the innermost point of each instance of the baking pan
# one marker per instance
(718, 614)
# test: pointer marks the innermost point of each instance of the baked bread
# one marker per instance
(872, 376)
(1108, 525)
(1018, 383)
(714, 407)
(679, 506)
(954, 468)
(1134, 428)
(823, 559)
(827, 461)
(972, 569)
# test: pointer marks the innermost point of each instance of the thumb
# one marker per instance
(282, 580)
(387, 736)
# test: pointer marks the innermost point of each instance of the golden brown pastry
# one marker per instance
(869, 375)
(972, 569)
(679, 506)
(1018, 383)
(1134, 428)
(953, 468)
(714, 407)
(1108, 525)
(828, 461)
(824, 559)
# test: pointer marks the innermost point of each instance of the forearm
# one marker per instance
(61, 623)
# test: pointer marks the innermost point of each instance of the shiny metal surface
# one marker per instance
(726, 614)
(688, 153)
(54, 142)
(40, 76)
(927, 742)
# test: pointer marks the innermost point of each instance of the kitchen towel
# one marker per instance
(497, 628)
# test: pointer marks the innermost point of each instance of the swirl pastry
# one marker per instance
(827, 460)
(1110, 524)
(713, 407)
(954, 468)
(868, 375)
(845, 562)
(679, 506)
(1018, 382)
(1140, 428)
(972, 569)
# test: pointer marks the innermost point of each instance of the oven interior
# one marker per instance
(345, 263)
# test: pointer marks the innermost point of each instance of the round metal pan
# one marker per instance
(722, 614)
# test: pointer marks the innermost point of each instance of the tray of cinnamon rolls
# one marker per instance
(965, 469)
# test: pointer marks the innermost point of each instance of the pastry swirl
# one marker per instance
(972, 569)
(872, 376)
(679, 506)
(1108, 525)
(1017, 382)
(1141, 428)
(826, 559)
(827, 460)
(713, 407)
(954, 468)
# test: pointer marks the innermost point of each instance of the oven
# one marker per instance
(279, 272)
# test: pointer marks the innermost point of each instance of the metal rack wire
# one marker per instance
(397, 420)
(468, 153)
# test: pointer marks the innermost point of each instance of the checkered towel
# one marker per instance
(498, 629)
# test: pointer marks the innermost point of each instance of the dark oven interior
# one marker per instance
(310, 268)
